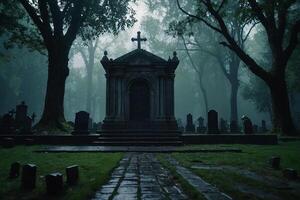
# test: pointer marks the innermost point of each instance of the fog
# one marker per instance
(23, 71)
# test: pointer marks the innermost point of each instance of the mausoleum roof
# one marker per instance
(140, 54)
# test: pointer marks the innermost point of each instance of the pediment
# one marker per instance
(139, 57)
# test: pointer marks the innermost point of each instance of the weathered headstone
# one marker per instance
(21, 114)
(275, 162)
(212, 122)
(54, 183)
(223, 126)
(201, 127)
(72, 174)
(190, 127)
(234, 127)
(290, 174)
(247, 125)
(82, 122)
(14, 171)
(7, 124)
(26, 126)
(28, 176)
(263, 126)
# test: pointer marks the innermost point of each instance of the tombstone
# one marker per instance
(26, 126)
(82, 123)
(14, 171)
(190, 127)
(28, 176)
(275, 162)
(290, 174)
(21, 114)
(263, 126)
(54, 183)
(233, 127)
(212, 122)
(255, 128)
(99, 126)
(247, 125)
(7, 124)
(72, 174)
(223, 126)
(201, 127)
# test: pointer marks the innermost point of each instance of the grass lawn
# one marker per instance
(253, 158)
(94, 170)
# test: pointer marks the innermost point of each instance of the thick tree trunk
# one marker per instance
(282, 120)
(58, 71)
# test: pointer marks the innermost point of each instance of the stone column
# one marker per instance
(107, 95)
(161, 97)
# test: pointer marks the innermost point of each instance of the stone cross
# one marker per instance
(138, 39)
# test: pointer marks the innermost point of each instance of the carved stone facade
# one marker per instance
(140, 92)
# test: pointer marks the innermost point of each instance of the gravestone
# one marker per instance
(275, 162)
(26, 126)
(81, 123)
(223, 126)
(7, 124)
(247, 125)
(72, 174)
(233, 127)
(14, 171)
(190, 127)
(263, 126)
(21, 114)
(54, 183)
(201, 127)
(212, 122)
(95, 127)
(28, 176)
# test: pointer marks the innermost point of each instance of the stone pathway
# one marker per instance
(209, 192)
(140, 176)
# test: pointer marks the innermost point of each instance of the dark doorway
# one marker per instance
(139, 98)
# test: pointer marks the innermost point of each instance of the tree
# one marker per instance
(59, 22)
(274, 17)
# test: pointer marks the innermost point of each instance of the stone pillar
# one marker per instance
(161, 97)
(107, 95)
(169, 96)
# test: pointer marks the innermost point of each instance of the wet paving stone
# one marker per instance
(140, 176)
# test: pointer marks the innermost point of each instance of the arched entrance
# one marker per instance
(139, 101)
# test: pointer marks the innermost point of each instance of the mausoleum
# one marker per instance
(140, 91)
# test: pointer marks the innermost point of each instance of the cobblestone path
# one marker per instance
(140, 176)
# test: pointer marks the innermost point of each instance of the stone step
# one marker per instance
(137, 143)
(138, 138)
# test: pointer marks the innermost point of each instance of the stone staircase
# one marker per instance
(139, 138)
